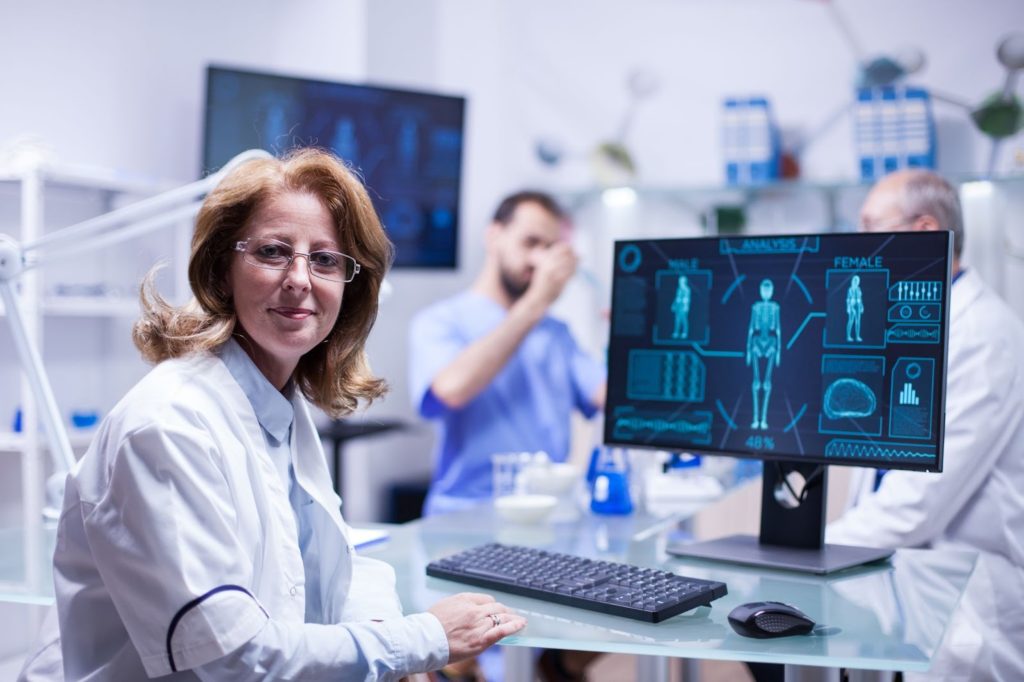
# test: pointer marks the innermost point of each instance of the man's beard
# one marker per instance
(513, 287)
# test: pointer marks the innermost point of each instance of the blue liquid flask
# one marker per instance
(595, 457)
(610, 489)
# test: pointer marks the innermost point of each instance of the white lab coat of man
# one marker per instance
(977, 502)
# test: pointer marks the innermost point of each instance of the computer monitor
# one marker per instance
(800, 350)
(406, 145)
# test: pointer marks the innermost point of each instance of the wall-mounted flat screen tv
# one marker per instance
(406, 145)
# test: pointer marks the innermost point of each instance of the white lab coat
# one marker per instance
(977, 502)
(177, 497)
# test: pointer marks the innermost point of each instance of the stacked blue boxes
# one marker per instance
(894, 129)
(751, 144)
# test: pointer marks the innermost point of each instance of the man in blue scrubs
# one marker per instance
(491, 367)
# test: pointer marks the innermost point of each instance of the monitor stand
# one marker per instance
(792, 537)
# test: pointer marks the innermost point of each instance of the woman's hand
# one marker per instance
(474, 622)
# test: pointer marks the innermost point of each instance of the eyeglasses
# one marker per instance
(275, 255)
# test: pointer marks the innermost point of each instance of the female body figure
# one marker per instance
(854, 309)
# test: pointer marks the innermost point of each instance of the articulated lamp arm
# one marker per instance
(149, 214)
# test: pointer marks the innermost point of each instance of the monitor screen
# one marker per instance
(407, 146)
(818, 348)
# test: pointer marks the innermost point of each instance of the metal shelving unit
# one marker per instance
(37, 197)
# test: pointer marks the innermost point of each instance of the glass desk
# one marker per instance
(890, 616)
(26, 565)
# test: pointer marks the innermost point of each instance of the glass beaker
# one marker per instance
(507, 473)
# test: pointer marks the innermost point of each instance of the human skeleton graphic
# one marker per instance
(764, 349)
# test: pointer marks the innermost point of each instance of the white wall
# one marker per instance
(120, 85)
(455, 48)
(567, 63)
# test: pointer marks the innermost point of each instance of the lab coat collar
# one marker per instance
(967, 288)
(309, 463)
(273, 411)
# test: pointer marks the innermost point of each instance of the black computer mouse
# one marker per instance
(765, 619)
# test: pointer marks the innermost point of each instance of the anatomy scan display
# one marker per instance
(824, 347)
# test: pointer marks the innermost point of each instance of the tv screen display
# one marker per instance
(406, 145)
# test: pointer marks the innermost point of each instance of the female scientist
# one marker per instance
(200, 536)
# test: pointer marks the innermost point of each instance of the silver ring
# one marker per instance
(496, 619)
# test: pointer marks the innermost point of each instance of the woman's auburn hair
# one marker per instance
(335, 375)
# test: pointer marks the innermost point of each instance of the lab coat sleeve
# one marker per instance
(44, 662)
(373, 595)
(912, 509)
(386, 650)
(164, 535)
(373, 641)
(434, 342)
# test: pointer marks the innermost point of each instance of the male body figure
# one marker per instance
(681, 309)
(977, 502)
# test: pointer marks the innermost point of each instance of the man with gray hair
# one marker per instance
(977, 502)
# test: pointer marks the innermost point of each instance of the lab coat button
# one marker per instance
(294, 591)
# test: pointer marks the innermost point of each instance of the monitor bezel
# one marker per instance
(769, 456)
(205, 169)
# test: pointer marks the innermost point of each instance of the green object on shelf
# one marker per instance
(726, 219)
(998, 117)
(612, 164)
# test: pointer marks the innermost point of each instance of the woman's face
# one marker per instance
(285, 313)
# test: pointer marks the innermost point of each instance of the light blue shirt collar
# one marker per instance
(273, 410)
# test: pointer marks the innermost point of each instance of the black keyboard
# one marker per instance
(646, 594)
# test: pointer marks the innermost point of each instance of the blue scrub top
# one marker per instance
(527, 407)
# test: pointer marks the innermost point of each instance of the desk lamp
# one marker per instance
(135, 219)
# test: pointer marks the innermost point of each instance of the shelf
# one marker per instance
(73, 176)
(743, 193)
(15, 442)
(87, 306)
(78, 309)
(671, 191)
(91, 306)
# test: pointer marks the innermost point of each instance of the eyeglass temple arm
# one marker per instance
(135, 219)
